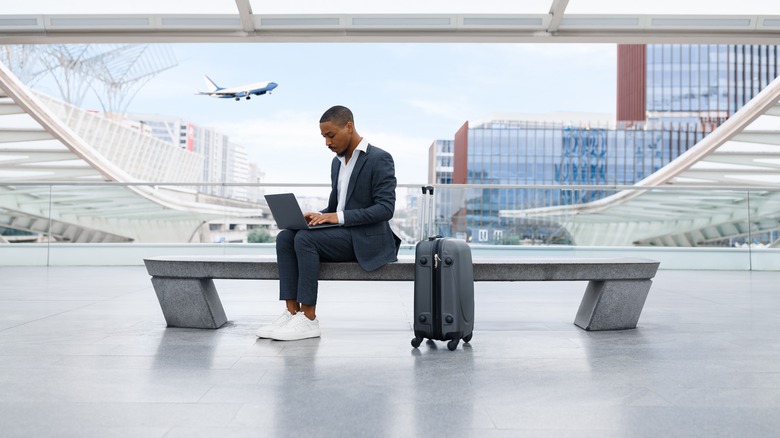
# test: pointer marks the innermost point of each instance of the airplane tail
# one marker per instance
(210, 85)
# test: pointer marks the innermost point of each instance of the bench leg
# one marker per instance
(612, 305)
(189, 302)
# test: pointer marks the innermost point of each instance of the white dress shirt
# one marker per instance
(345, 172)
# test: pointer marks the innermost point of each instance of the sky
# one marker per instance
(404, 95)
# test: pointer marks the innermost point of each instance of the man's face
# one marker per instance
(337, 138)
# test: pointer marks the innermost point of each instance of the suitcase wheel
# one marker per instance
(468, 338)
(453, 344)
(416, 342)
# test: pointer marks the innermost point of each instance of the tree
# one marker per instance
(260, 235)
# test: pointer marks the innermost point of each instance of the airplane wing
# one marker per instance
(224, 93)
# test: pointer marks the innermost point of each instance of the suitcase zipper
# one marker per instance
(436, 289)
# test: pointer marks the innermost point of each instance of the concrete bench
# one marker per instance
(613, 300)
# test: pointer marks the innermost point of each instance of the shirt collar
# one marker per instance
(361, 147)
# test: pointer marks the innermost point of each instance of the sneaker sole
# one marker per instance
(264, 332)
(295, 336)
(263, 335)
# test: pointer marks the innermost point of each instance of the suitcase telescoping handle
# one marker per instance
(426, 213)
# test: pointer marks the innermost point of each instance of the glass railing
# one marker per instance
(50, 223)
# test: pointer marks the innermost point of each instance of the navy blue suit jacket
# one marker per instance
(369, 207)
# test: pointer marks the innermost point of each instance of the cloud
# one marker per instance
(288, 147)
(283, 146)
(449, 110)
(409, 153)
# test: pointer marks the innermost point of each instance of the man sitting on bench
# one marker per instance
(362, 201)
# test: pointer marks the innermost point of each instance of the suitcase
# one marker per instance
(443, 287)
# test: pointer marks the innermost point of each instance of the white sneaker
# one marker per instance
(298, 327)
(265, 330)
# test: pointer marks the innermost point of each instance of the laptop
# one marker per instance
(287, 213)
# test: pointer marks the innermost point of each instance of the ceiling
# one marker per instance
(528, 21)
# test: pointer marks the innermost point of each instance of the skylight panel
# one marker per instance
(674, 7)
(82, 7)
(402, 7)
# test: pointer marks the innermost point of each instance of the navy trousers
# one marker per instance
(298, 255)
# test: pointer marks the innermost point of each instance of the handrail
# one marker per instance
(705, 187)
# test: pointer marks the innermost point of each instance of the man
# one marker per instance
(362, 202)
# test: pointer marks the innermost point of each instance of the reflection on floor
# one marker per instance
(84, 352)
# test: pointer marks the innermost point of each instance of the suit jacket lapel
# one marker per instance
(361, 159)
(335, 168)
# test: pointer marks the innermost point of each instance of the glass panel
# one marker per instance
(402, 7)
(44, 7)
(764, 232)
(703, 228)
(673, 225)
(484, 215)
(694, 7)
(24, 225)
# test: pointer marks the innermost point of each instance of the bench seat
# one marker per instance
(613, 300)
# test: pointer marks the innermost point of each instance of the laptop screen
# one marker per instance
(288, 214)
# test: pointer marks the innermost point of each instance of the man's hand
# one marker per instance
(314, 218)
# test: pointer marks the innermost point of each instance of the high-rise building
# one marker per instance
(256, 176)
(236, 170)
(224, 161)
(669, 97)
(690, 83)
(174, 130)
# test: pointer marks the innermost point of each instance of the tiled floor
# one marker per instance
(84, 352)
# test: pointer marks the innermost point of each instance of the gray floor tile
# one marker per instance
(84, 352)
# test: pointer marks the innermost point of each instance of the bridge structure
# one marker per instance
(76, 176)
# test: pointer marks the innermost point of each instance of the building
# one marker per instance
(237, 171)
(256, 176)
(441, 154)
(689, 83)
(172, 129)
(670, 96)
(224, 161)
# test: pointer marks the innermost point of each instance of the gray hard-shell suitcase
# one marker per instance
(443, 290)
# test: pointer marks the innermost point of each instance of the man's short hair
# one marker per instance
(338, 114)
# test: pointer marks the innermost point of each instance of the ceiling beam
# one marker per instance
(553, 27)
(245, 12)
(556, 10)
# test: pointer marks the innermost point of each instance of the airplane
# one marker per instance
(258, 88)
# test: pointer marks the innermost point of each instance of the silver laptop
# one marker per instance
(287, 213)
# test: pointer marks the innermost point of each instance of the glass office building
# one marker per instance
(705, 83)
(669, 98)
